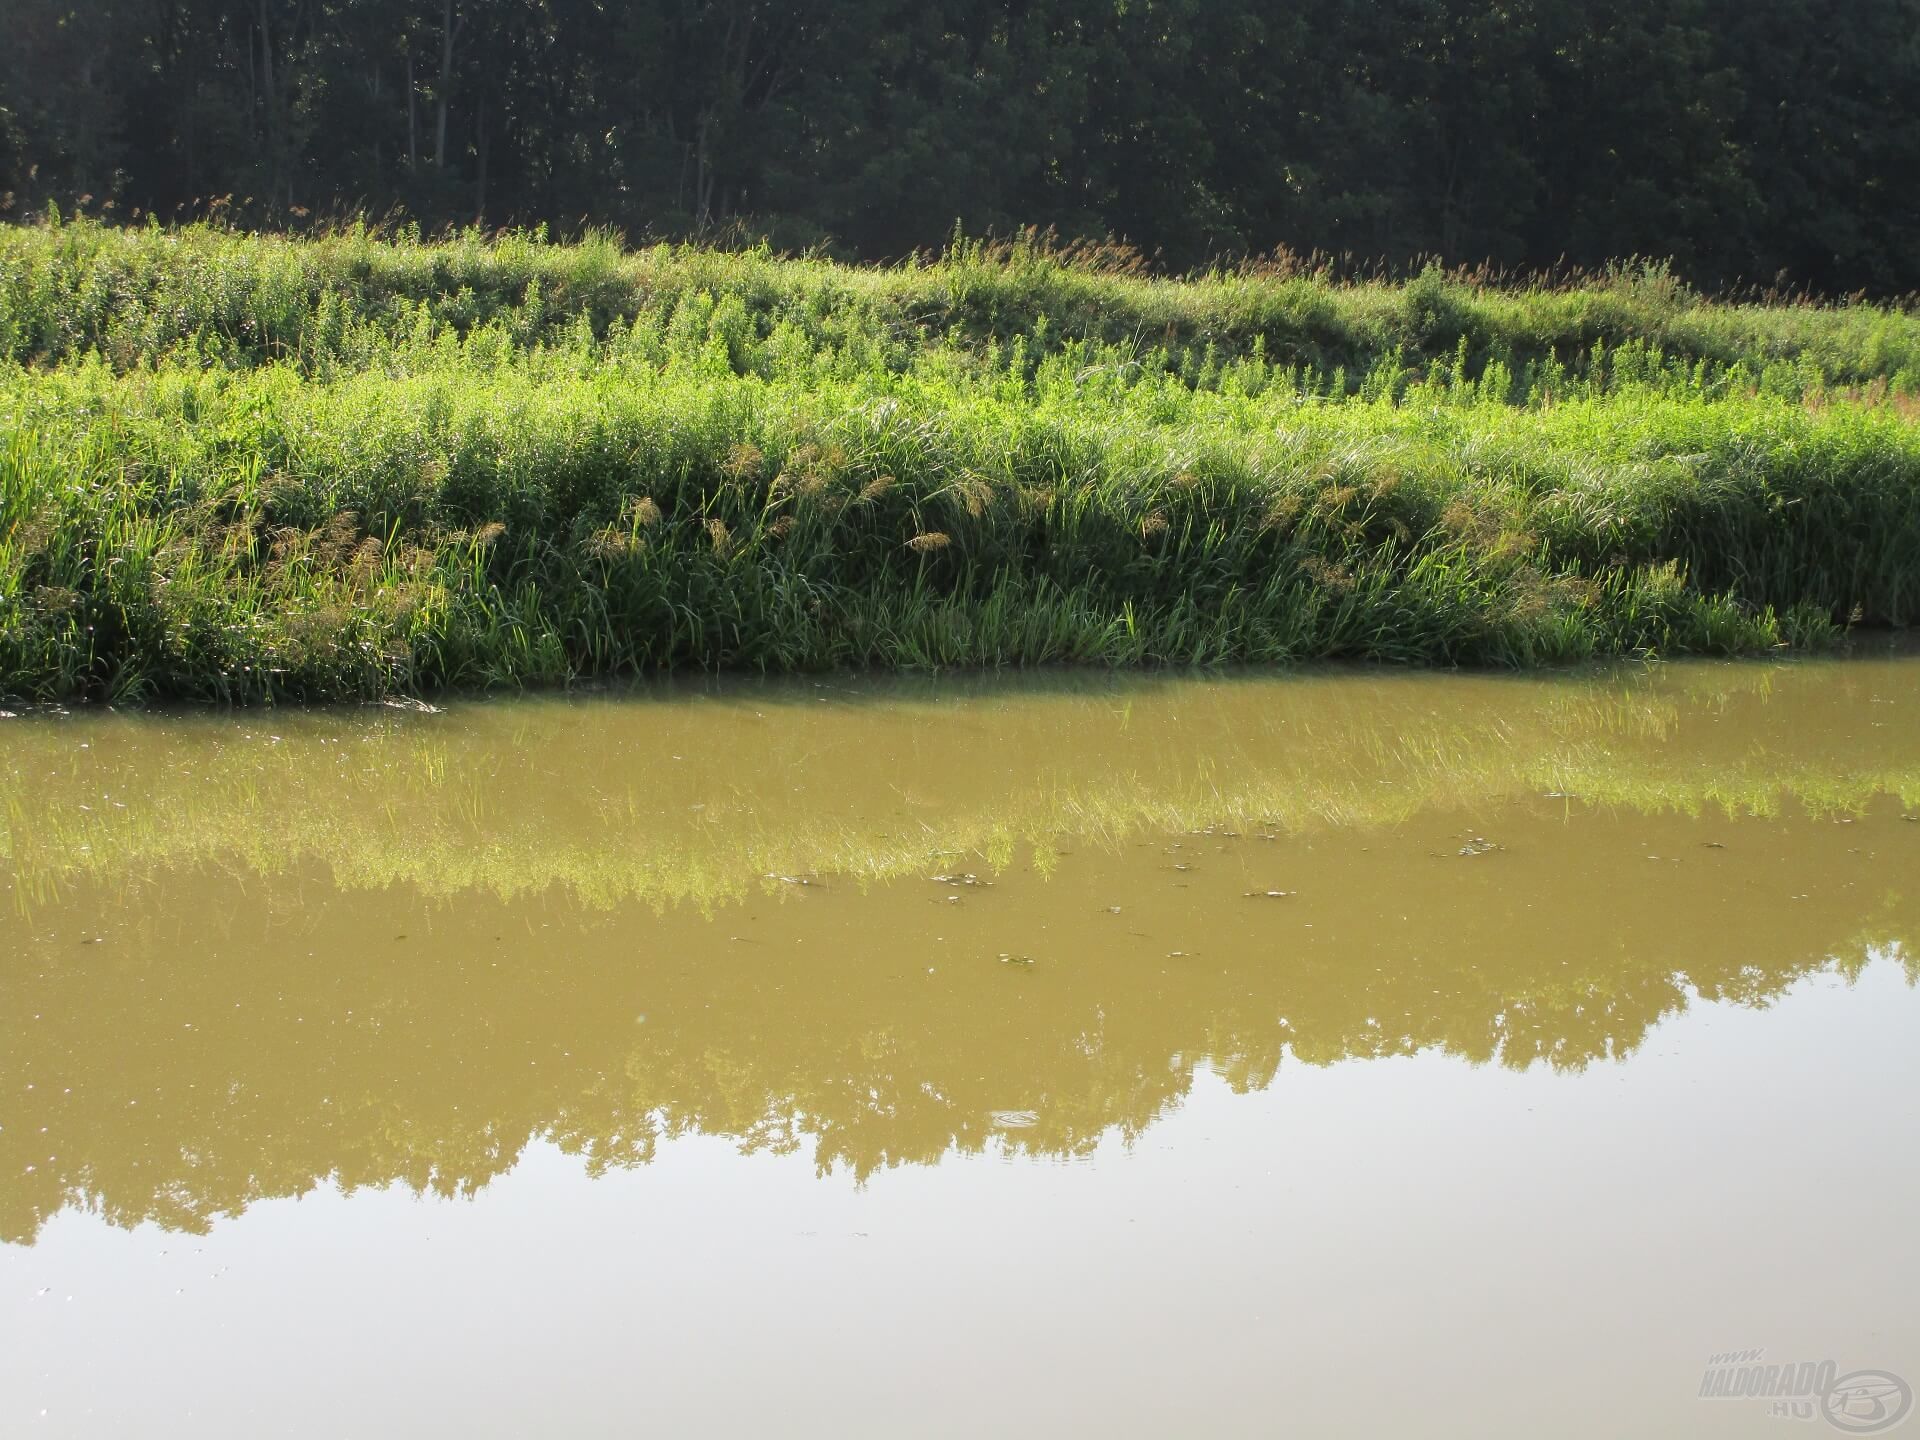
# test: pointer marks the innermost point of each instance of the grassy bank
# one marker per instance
(237, 468)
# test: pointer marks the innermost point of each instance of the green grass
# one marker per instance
(240, 468)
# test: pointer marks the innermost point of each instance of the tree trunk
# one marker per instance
(413, 127)
(447, 30)
(703, 172)
(480, 157)
(267, 95)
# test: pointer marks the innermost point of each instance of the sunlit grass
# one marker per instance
(237, 468)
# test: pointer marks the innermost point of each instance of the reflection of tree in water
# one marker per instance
(250, 1026)
(188, 1067)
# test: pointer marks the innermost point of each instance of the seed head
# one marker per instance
(742, 462)
(1281, 514)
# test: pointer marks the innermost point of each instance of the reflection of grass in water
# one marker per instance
(519, 799)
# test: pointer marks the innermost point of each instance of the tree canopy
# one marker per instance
(1747, 140)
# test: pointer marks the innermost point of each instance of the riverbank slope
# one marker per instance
(237, 468)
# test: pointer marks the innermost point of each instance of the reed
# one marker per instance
(241, 468)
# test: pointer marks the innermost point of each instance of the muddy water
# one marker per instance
(1332, 1054)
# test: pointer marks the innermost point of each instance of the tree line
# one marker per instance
(1748, 140)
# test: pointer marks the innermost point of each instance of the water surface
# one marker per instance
(1351, 1053)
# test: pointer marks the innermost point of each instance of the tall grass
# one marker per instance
(218, 296)
(237, 468)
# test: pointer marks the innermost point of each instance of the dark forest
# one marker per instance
(1750, 141)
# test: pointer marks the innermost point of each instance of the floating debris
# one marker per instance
(1271, 894)
(1479, 845)
(971, 880)
(1016, 959)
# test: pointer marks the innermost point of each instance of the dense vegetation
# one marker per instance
(1742, 138)
(238, 467)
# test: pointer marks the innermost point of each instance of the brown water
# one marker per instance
(1339, 1053)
